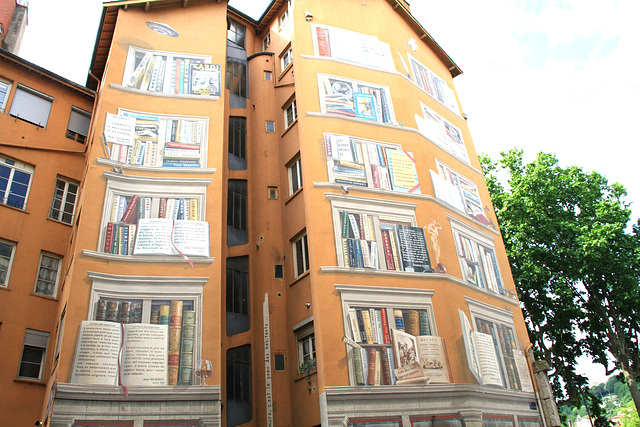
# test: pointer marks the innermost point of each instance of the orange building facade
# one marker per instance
(283, 222)
(44, 120)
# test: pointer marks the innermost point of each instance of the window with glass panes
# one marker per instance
(48, 274)
(237, 143)
(6, 259)
(236, 33)
(295, 175)
(5, 89)
(15, 181)
(238, 385)
(34, 350)
(237, 78)
(78, 127)
(237, 295)
(237, 212)
(290, 113)
(64, 201)
(306, 346)
(300, 255)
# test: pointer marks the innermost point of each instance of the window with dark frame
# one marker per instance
(237, 295)
(237, 143)
(306, 347)
(239, 385)
(48, 274)
(236, 33)
(64, 201)
(237, 77)
(237, 212)
(15, 181)
(300, 255)
(31, 106)
(34, 350)
(270, 126)
(78, 127)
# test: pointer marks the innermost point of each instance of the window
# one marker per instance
(286, 58)
(267, 75)
(458, 191)
(171, 423)
(290, 113)
(378, 321)
(278, 271)
(141, 215)
(356, 99)
(376, 422)
(437, 421)
(306, 348)
(477, 257)
(494, 354)
(284, 19)
(376, 234)
(236, 33)
(237, 143)
(48, 274)
(158, 140)
(34, 350)
(78, 127)
(237, 77)
(266, 41)
(272, 193)
(497, 421)
(237, 213)
(279, 363)
(270, 126)
(239, 385)
(64, 201)
(15, 181)
(237, 295)
(5, 89)
(295, 175)
(372, 164)
(300, 255)
(151, 301)
(7, 249)
(80, 423)
(31, 106)
(166, 73)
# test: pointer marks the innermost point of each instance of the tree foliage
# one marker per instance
(575, 259)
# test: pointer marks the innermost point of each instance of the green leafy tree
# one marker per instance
(575, 263)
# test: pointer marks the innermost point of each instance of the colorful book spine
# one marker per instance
(397, 315)
(385, 368)
(101, 310)
(164, 313)
(108, 238)
(357, 366)
(363, 334)
(371, 377)
(413, 325)
(425, 325)
(385, 326)
(175, 332)
(353, 321)
(366, 318)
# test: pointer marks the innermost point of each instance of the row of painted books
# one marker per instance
(371, 325)
(131, 208)
(371, 242)
(434, 85)
(353, 161)
(175, 75)
(505, 343)
(172, 143)
(128, 354)
(479, 259)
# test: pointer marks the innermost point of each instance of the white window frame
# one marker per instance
(295, 171)
(128, 185)
(9, 262)
(78, 126)
(286, 58)
(382, 297)
(16, 165)
(490, 282)
(290, 113)
(299, 270)
(495, 315)
(52, 293)
(150, 288)
(25, 97)
(305, 334)
(5, 87)
(59, 213)
(266, 42)
(283, 20)
(270, 126)
(37, 339)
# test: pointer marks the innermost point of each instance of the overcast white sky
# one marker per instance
(558, 76)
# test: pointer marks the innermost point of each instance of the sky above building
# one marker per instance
(557, 76)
